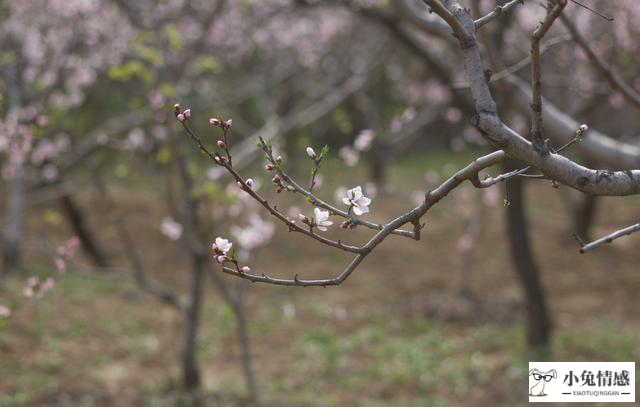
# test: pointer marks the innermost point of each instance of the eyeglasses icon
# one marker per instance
(546, 377)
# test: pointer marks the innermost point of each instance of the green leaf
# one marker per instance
(52, 217)
(208, 64)
(174, 37)
(164, 155)
(122, 171)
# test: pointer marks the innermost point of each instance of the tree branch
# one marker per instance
(608, 238)
(536, 76)
(554, 166)
(497, 12)
(614, 78)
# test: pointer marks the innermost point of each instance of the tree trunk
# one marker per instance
(538, 325)
(245, 348)
(377, 164)
(585, 216)
(190, 370)
(14, 217)
(79, 225)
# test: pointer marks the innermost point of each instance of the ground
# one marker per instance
(396, 333)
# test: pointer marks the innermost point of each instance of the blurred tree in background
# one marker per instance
(90, 149)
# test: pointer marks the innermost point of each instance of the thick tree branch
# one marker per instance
(554, 166)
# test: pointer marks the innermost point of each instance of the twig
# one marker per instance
(608, 238)
(151, 287)
(470, 172)
(497, 12)
(614, 78)
(314, 200)
(273, 210)
(489, 181)
(536, 76)
(592, 10)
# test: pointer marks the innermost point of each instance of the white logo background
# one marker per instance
(576, 391)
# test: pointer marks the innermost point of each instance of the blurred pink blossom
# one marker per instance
(349, 155)
(465, 243)
(171, 229)
(5, 312)
(364, 139)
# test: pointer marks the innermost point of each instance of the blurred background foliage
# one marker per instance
(141, 315)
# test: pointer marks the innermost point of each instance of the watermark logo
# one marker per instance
(537, 390)
(582, 382)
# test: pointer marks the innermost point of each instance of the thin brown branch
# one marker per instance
(314, 200)
(290, 223)
(536, 76)
(162, 293)
(610, 74)
(497, 12)
(470, 172)
(594, 11)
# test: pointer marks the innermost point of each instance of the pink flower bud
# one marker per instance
(304, 219)
(221, 144)
(180, 117)
(214, 122)
(228, 123)
(276, 179)
(249, 182)
(269, 167)
(583, 128)
(187, 113)
(245, 269)
(279, 159)
(177, 108)
(61, 265)
(311, 153)
(215, 249)
(222, 259)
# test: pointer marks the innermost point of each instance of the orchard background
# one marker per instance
(128, 134)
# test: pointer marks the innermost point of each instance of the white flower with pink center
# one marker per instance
(322, 219)
(357, 201)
